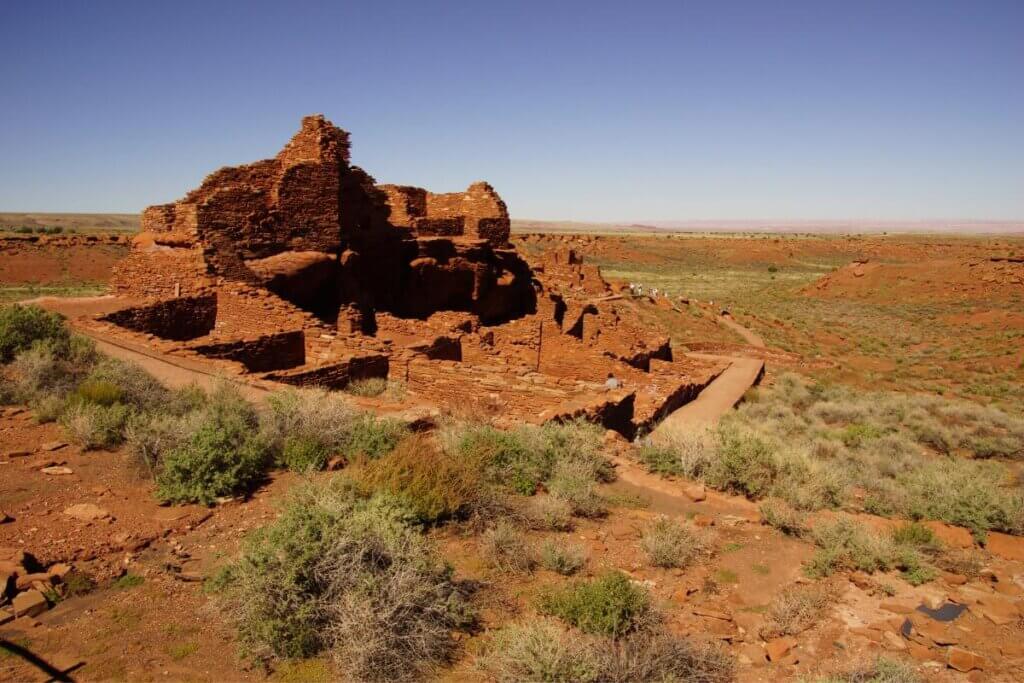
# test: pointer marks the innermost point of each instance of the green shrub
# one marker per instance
(22, 326)
(972, 494)
(46, 408)
(377, 386)
(539, 651)
(648, 656)
(99, 392)
(225, 455)
(670, 544)
(508, 457)
(573, 482)
(504, 548)
(660, 458)
(432, 484)
(95, 425)
(373, 436)
(41, 370)
(745, 464)
(128, 382)
(847, 545)
(127, 581)
(8, 391)
(523, 459)
(609, 605)
(559, 557)
(345, 575)
(304, 454)
(151, 437)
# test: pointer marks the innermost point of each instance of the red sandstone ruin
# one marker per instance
(302, 270)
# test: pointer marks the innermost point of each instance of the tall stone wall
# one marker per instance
(323, 236)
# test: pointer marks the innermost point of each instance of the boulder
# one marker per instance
(86, 512)
(29, 603)
(964, 660)
(1005, 546)
(778, 648)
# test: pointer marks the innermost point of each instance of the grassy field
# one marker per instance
(69, 222)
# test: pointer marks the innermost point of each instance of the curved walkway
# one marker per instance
(723, 394)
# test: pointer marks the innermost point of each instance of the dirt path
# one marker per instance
(750, 337)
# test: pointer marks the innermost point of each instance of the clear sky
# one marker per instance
(573, 110)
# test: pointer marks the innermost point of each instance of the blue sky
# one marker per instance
(573, 110)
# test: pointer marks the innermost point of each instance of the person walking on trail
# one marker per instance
(612, 383)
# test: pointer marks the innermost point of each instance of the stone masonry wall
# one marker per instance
(178, 319)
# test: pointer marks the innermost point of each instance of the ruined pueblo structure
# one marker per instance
(302, 270)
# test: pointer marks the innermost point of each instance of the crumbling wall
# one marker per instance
(276, 351)
(483, 213)
(177, 319)
(336, 375)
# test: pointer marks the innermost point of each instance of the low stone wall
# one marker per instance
(178, 319)
(278, 351)
(335, 375)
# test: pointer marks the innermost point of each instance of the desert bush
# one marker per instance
(609, 605)
(796, 609)
(542, 651)
(659, 458)
(573, 482)
(539, 651)
(976, 495)
(8, 391)
(98, 392)
(881, 670)
(125, 383)
(504, 548)
(814, 445)
(150, 437)
(304, 454)
(23, 326)
(522, 459)
(306, 412)
(559, 557)
(377, 386)
(224, 455)
(646, 656)
(431, 483)
(509, 458)
(547, 513)
(46, 408)
(373, 436)
(668, 543)
(846, 545)
(42, 370)
(745, 464)
(784, 518)
(95, 425)
(345, 575)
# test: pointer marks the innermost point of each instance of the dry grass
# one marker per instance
(543, 651)
(505, 549)
(796, 609)
(668, 543)
(565, 559)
